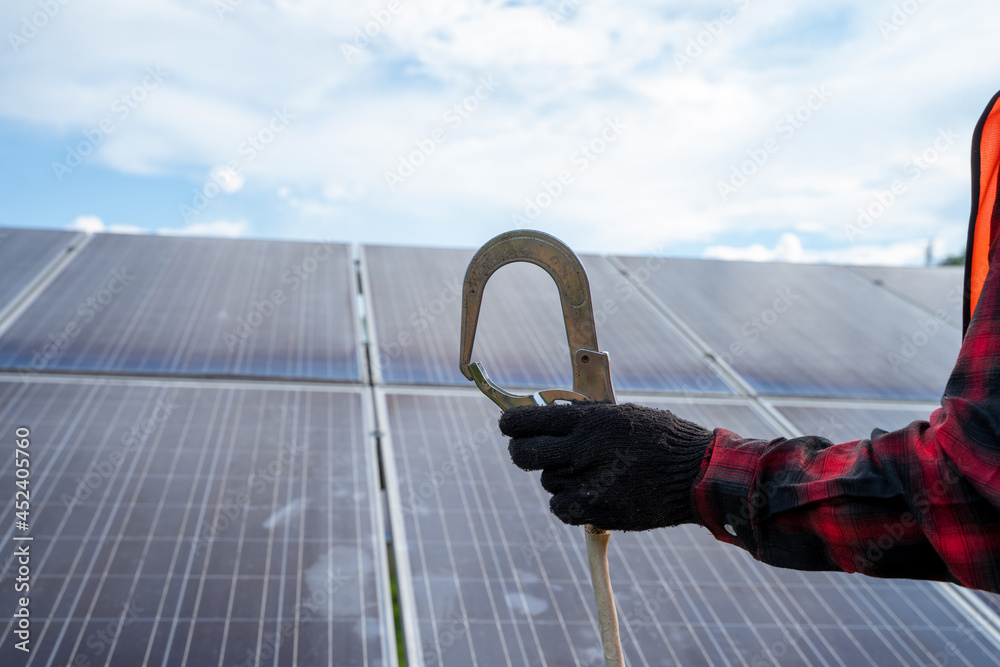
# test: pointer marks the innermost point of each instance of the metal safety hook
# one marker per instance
(591, 372)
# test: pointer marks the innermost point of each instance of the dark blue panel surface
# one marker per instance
(184, 306)
(195, 525)
(415, 297)
(808, 330)
(23, 255)
(938, 289)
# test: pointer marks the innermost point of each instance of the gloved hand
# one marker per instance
(618, 467)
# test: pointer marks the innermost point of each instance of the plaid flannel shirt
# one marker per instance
(922, 502)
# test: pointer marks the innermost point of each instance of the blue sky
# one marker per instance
(743, 129)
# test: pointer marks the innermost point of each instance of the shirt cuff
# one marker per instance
(723, 498)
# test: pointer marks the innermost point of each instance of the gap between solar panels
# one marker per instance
(399, 604)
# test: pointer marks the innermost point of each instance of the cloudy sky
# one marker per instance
(762, 129)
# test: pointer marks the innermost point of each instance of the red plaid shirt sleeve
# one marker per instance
(922, 502)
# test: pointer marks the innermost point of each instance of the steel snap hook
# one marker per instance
(591, 382)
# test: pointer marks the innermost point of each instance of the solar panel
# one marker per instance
(488, 576)
(415, 301)
(937, 289)
(807, 330)
(24, 254)
(197, 523)
(184, 306)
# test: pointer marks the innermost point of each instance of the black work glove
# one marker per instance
(618, 467)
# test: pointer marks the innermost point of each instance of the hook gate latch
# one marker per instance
(591, 368)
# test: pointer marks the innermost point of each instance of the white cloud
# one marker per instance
(94, 225)
(789, 248)
(228, 179)
(218, 228)
(87, 223)
(655, 187)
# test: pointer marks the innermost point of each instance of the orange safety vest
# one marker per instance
(984, 224)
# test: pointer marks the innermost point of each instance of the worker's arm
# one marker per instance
(921, 502)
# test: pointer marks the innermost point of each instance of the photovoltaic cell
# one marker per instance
(415, 297)
(184, 306)
(808, 330)
(197, 524)
(495, 579)
(24, 253)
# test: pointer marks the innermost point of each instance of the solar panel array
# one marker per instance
(250, 452)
